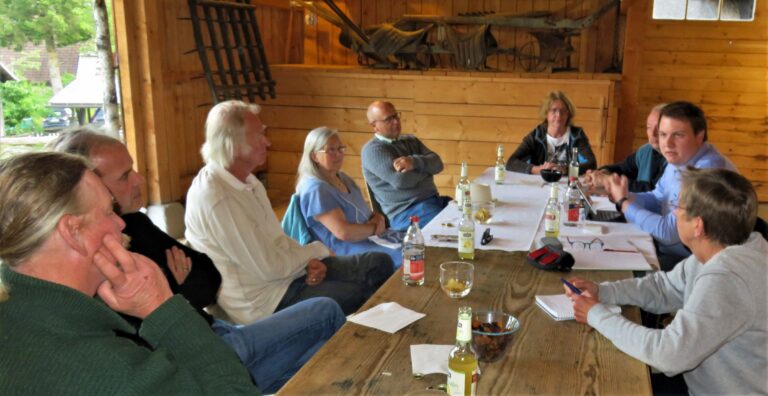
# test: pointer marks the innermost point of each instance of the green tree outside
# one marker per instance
(57, 23)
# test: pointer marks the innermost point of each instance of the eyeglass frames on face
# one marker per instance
(585, 245)
(391, 118)
(333, 150)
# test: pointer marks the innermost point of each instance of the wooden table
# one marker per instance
(546, 357)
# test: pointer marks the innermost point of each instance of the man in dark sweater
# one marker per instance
(272, 349)
(59, 248)
(643, 168)
(400, 169)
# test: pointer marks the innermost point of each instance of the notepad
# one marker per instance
(560, 307)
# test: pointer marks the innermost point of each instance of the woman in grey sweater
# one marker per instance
(718, 337)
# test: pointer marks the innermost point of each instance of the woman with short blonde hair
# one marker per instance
(550, 144)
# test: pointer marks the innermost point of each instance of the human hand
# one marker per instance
(315, 272)
(583, 285)
(179, 264)
(133, 285)
(403, 164)
(381, 225)
(616, 186)
(582, 304)
(595, 178)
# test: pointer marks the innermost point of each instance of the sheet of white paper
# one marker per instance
(430, 359)
(389, 317)
(383, 242)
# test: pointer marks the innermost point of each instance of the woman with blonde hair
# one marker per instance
(549, 144)
(331, 202)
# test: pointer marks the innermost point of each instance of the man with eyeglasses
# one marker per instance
(683, 142)
(400, 170)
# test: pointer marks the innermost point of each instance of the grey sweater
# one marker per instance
(718, 336)
(396, 191)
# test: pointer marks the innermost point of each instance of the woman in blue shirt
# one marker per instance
(331, 202)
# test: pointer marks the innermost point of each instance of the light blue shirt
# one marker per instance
(317, 197)
(653, 211)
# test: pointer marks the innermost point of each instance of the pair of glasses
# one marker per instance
(585, 245)
(333, 150)
(391, 118)
(487, 237)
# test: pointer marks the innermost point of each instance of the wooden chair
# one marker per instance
(375, 205)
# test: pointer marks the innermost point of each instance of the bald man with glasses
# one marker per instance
(400, 170)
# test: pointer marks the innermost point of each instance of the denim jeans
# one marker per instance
(274, 348)
(426, 210)
(349, 280)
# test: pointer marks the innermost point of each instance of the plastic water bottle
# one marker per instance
(413, 255)
(573, 208)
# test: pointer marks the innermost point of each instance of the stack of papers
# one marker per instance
(560, 307)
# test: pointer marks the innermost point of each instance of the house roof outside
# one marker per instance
(68, 57)
(6, 74)
(86, 90)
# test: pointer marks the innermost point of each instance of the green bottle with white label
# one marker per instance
(467, 230)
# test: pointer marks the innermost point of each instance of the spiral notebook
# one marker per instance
(560, 307)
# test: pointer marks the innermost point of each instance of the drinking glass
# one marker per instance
(456, 278)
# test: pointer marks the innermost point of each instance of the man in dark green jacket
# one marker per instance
(60, 247)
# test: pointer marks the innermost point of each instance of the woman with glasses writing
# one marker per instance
(550, 144)
(331, 202)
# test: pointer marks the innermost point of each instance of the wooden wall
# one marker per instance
(720, 66)
(461, 116)
(321, 45)
(165, 99)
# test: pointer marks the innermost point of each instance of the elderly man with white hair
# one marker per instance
(230, 218)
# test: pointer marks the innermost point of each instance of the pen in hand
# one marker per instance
(571, 286)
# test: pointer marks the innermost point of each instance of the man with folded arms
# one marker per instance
(683, 142)
(719, 335)
(230, 219)
(400, 170)
(273, 348)
(60, 246)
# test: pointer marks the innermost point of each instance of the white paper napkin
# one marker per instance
(389, 317)
(430, 359)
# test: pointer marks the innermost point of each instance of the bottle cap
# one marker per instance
(414, 219)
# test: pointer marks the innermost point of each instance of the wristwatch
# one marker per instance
(619, 204)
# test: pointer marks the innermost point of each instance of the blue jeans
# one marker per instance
(426, 210)
(349, 280)
(274, 348)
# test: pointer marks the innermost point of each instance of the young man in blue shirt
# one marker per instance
(683, 142)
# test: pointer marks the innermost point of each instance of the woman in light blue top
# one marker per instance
(331, 202)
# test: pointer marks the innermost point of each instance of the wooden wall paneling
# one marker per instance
(311, 56)
(522, 38)
(629, 115)
(588, 41)
(573, 10)
(450, 114)
(354, 11)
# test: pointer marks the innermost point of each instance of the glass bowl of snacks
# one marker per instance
(492, 333)
(482, 211)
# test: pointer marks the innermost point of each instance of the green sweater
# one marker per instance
(57, 340)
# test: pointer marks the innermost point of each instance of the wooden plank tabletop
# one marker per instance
(546, 357)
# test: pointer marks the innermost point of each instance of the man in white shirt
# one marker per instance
(229, 218)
